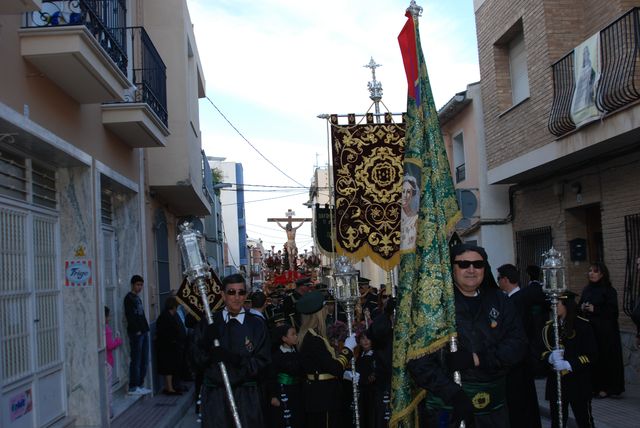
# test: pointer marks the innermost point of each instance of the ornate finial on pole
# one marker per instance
(414, 9)
(375, 87)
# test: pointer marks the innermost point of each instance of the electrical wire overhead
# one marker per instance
(252, 146)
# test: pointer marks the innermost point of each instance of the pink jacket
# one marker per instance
(111, 344)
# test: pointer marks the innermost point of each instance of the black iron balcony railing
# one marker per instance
(105, 19)
(461, 173)
(619, 82)
(149, 73)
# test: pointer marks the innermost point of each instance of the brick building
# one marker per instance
(562, 123)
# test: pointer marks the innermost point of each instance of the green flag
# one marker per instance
(425, 314)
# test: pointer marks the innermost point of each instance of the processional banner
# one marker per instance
(189, 296)
(324, 224)
(425, 316)
(367, 171)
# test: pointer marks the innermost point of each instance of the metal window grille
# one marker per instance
(43, 186)
(162, 256)
(13, 176)
(632, 268)
(110, 291)
(14, 296)
(530, 244)
(106, 207)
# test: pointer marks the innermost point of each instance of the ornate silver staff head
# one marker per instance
(553, 271)
(190, 242)
(345, 284)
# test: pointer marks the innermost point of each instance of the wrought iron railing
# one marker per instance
(619, 82)
(105, 19)
(461, 173)
(149, 73)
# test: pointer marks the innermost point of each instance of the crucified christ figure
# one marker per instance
(292, 249)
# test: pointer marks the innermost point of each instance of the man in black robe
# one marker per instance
(245, 351)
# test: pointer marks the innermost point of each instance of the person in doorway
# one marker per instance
(112, 344)
(171, 340)
(138, 332)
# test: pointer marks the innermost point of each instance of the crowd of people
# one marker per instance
(288, 355)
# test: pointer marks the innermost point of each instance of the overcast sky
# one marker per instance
(272, 66)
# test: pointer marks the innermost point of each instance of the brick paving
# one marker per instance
(618, 412)
(159, 411)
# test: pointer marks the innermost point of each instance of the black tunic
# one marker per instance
(486, 325)
(581, 351)
(381, 334)
(608, 371)
(285, 384)
(171, 339)
(365, 365)
(323, 370)
(250, 341)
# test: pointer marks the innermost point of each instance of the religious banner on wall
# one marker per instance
(367, 171)
(188, 295)
(323, 225)
(587, 73)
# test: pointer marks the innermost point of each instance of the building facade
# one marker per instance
(485, 208)
(85, 107)
(562, 127)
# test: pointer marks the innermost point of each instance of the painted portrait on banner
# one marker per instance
(587, 72)
(410, 204)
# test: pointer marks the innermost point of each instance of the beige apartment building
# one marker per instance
(562, 127)
(99, 158)
(485, 208)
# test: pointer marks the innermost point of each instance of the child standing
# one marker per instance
(111, 345)
(285, 387)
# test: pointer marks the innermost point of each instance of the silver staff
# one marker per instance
(457, 378)
(554, 285)
(197, 273)
(346, 292)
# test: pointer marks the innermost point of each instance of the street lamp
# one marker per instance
(553, 271)
(345, 290)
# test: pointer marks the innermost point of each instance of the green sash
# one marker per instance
(287, 379)
(486, 397)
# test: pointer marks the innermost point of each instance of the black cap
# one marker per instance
(362, 280)
(310, 303)
(303, 281)
(278, 317)
(568, 295)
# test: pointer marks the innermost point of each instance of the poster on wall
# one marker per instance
(77, 273)
(587, 73)
(20, 404)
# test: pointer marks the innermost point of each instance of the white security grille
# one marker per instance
(110, 292)
(29, 294)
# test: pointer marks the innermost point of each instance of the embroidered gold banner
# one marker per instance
(367, 171)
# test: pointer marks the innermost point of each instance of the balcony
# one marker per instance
(141, 120)
(8, 7)
(81, 46)
(619, 81)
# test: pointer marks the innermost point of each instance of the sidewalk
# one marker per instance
(623, 411)
(159, 411)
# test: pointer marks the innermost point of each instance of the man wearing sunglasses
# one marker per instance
(244, 349)
(490, 341)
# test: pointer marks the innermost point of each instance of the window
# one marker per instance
(518, 69)
(530, 244)
(458, 157)
(632, 269)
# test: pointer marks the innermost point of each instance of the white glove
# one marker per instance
(561, 365)
(350, 342)
(349, 375)
(556, 355)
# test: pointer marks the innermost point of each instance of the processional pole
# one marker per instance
(554, 286)
(346, 292)
(198, 272)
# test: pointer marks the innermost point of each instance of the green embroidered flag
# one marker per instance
(425, 315)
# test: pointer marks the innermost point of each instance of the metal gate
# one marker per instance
(530, 244)
(632, 267)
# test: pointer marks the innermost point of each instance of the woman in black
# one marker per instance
(365, 366)
(599, 304)
(322, 367)
(574, 362)
(285, 386)
(171, 339)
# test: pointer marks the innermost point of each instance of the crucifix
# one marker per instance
(292, 249)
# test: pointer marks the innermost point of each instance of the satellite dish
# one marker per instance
(468, 202)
